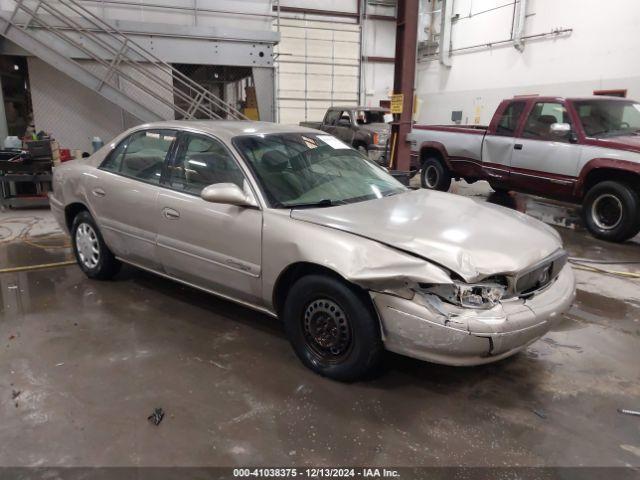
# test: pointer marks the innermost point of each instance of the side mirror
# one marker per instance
(227, 193)
(560, 129)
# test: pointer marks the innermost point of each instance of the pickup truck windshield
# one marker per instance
(302, 169)
(609, 118)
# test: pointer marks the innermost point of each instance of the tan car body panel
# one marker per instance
(359, 242)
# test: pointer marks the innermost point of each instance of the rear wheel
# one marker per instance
(611, 211)
(332, 328)
(92, 254)
(435, 175)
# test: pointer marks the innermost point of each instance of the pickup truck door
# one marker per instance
(542, 162)
(330, 119)
(498, 144)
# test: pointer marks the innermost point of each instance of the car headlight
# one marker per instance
(479, 295)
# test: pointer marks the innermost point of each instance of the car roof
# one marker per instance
(228, 128)
(547, 98)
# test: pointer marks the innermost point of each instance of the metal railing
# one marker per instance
(121, 58)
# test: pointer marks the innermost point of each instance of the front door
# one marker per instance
(123, 195)
(210, 245)
(497, 148)
(545, 163)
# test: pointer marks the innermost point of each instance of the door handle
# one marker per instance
(98, 192)
(517, 146)
(170, 213)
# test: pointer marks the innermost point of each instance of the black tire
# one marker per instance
(333, 328)
(498, 189)
(611, 211)
(435, 175)
(102, 265)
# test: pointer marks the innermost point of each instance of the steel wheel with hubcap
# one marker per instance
(87, 245)
(93, 256)
(332, 327)
(611, 211)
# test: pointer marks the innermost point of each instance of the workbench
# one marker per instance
(12, 173)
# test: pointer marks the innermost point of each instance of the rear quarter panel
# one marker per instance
(461, 147)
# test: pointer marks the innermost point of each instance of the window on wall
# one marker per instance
(611, 93)
(509, 120)
(542, 116)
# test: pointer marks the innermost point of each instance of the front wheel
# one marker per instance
(435, 175)
(332, 327)
(611, 211)
(92, 254)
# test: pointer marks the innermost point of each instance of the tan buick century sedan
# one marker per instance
(292, 222)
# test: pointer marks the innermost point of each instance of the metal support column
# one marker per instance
(404, 80)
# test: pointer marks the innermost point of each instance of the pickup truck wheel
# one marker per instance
(435, 175)
(611, 211)
(92, 254)
(332, 327)
(498, 189)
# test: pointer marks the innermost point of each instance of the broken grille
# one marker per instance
(541, 275)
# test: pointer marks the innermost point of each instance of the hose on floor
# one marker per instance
(582, 264)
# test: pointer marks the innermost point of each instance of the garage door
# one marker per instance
(318, 66)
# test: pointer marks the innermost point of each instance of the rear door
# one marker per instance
(345, 127)
(499, 142)
(545, 163)
(211, 245)
(330, 120)
(123, 195)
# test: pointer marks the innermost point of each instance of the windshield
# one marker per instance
(365, 117)
(609, 118)
(298, 169)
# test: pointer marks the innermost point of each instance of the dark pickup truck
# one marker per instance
(364, 128)
(582, 150)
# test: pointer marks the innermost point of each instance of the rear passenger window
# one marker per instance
(142, 155)
(203, 161)
(509, 119)
(332, 117)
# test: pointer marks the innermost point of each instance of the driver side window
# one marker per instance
(542, 116)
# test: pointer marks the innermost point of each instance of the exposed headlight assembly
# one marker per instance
(479, 295)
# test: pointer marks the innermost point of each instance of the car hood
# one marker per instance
(468, 237)
(624, 142)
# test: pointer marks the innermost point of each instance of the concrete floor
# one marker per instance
(91, 361)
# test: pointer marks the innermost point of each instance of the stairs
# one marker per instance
(72, 39)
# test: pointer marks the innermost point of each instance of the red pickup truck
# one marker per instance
(581, 150)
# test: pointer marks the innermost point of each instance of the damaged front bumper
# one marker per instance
(429, 329)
